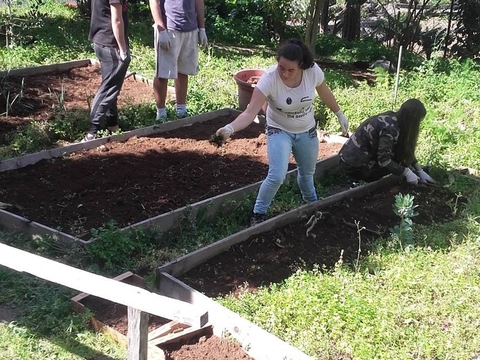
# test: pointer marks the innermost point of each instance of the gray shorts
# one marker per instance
(182, 57)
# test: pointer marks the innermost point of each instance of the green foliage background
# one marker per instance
(423, 303)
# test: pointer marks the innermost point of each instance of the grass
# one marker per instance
(400, 305)
(418, 303)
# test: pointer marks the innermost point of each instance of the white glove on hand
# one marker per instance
(410, 176)
(225, 131)
(202, 36)
(424, 177)
(164, 40)
(124, 55)
(343, 122)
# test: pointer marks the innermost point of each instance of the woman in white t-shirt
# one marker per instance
(289, 89)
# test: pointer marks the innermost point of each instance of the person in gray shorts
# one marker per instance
(178, 30)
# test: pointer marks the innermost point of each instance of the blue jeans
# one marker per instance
(280, 144)
(104, 110)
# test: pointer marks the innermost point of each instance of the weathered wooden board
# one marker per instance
(258, 343)
(187, 262)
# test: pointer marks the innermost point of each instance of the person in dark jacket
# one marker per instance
(108, 33)
(385, 144)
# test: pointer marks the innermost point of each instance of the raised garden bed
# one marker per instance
(41, 93)
(273, 254)
(167, 339)
(272, 251)
(139, 178)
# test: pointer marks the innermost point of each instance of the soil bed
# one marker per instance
(274, 256)
(206, 346)
(41, 95)
(139, 178)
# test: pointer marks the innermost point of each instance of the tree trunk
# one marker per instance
(325, 16)
(351, 22)
(313, 21)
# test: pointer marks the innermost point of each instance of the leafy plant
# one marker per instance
(10, 96)
(404, 208)
(34, 136)
(60, 97)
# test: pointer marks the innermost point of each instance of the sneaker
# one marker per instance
(257, 219)
(161, 119)
(88, 137)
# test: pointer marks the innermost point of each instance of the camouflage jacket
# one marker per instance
(373, 144)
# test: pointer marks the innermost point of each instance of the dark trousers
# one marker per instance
(366, 173)
(104, 107)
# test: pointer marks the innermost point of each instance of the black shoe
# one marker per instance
(257, 219)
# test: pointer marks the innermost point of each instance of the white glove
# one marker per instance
(124, 55)
(225, 131)
(410, 176)
(202, 36)
(343, 122)
(424, 177)
(164, 40)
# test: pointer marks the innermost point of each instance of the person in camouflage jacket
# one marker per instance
(385, 144)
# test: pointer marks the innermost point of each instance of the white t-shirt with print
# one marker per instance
(290, 109)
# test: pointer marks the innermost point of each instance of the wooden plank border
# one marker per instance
(100, 286)
(30, 159)
(18, 224)
(189, 261)
(258, 343)
(42, 69)
(224, 202)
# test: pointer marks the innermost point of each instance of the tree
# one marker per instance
(467, 33)
(351, 20)
(312, 22)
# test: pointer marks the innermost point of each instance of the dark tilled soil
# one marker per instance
(138, 179)
(144, 177)
(275, 255)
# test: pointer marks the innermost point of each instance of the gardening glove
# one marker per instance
(410, 176)
(424, 177)
(164, 40)
(343, 122)
(225, 131)
(202, 36)
(124, 55)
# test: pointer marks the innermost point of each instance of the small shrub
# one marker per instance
(404, 208)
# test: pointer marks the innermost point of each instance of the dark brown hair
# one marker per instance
(296, 50)
(409, 116)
